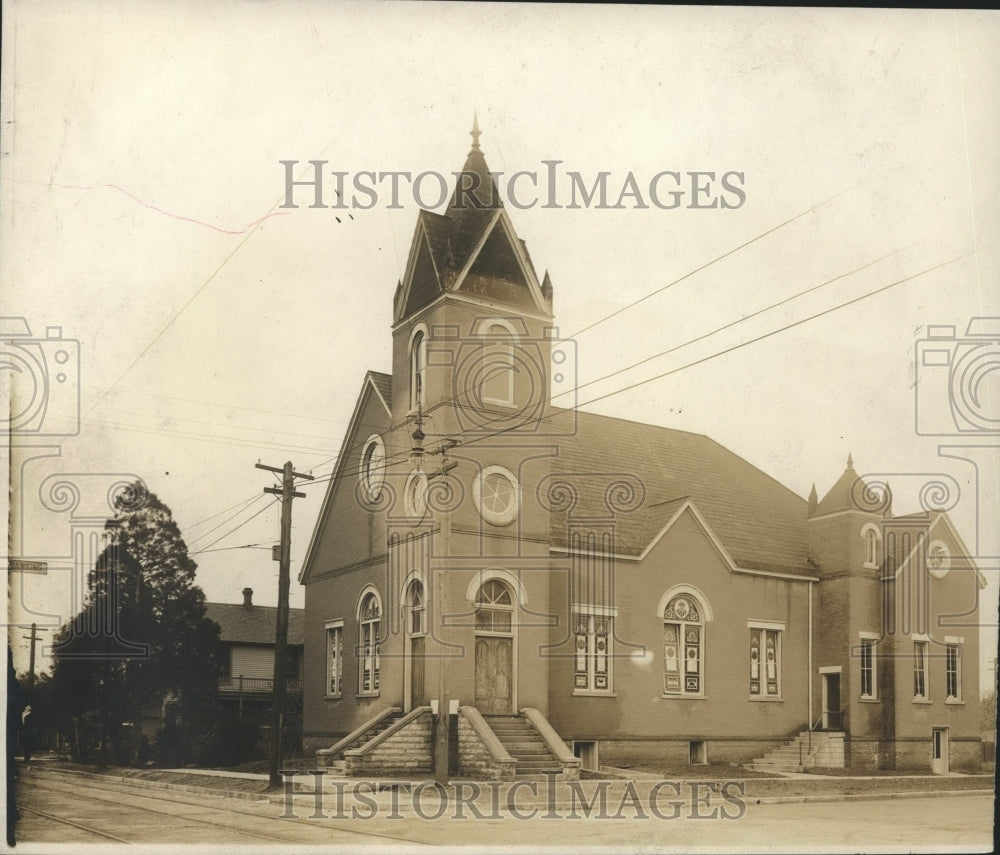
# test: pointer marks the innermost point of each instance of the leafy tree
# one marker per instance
(142, 644)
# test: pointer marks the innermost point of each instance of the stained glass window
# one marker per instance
(592, 653)
(683, 647)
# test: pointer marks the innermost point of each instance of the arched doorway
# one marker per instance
(494, 648)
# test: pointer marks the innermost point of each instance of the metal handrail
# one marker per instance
(812, 727)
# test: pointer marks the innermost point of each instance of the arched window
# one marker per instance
(369, 618)
(498, 366)
(494, 608)
(418, 368)
(871, 535)
(416, 610)
(683, 647)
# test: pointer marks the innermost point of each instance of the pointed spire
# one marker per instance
(475, 189)
(813, 499)
(547, 287)
(850, 461)
(475, 132)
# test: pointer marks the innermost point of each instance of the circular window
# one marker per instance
(938, 559)
(373, 466)
(415, 495)
(496, 495)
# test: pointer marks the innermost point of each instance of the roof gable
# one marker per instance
(378, 387)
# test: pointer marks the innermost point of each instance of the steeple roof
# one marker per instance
(472, 247)
(474, 188)
(842, 495)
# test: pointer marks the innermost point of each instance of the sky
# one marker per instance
(209, 328)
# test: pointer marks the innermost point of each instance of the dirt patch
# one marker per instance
(713, 771)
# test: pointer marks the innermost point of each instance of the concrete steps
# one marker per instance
(797, 755)
(524, 744)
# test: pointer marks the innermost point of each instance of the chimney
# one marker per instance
(248, 598)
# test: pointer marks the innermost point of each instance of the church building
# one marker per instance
(510, 587)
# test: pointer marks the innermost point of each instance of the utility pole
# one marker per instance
(287, 493)
(33, 638)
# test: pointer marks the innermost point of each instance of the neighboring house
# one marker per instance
(247, 633)
(642, 592)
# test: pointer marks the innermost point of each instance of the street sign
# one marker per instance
(22, 565)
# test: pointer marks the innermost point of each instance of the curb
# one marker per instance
(279, 797)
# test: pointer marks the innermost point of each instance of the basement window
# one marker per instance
(697, 755)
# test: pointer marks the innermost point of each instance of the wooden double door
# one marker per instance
(494, 675)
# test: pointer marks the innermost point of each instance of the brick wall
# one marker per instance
(628, 752)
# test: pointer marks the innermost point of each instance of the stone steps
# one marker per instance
(524, 744)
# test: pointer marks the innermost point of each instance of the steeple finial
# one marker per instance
(475, 132)
(850, 461)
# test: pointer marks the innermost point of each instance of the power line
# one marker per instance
(691, 273)
(237, 528)
(746, 318)
(246, 506)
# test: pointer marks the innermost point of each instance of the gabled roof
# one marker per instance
(383, 385)
(375, 383)
(256, 624)
(760, 522)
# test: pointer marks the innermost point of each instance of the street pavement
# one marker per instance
(62, 808)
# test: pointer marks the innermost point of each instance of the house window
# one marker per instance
(370, 617)
(335, 658)
(869, 664)
(683, 647)
(953, 671)
(418, 368)
(494, 608)
(592, 653)
(765, 662)
(920, 669)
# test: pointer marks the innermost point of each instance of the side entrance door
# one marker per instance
(831, 707)
(939, 751)
(417, 694)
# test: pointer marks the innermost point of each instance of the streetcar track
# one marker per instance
(186, 817)
(176, 799)
(79, 825)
